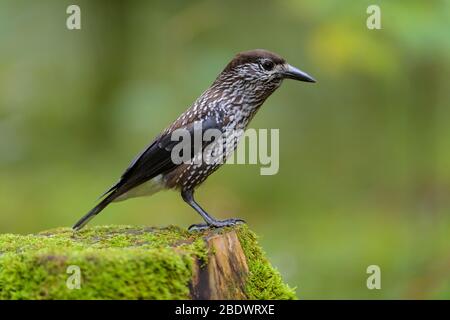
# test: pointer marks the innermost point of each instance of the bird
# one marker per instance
(227, 106)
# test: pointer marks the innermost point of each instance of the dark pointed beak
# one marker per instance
(291, 72)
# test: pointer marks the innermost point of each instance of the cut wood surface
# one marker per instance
(225, 274)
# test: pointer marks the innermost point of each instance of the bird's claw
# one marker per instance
(216, 224)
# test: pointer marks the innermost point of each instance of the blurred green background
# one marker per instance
(364, 157)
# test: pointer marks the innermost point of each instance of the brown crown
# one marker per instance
(253, 56)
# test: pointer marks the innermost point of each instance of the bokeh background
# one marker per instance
(364, 158)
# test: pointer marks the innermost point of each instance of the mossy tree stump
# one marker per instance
(126, 262)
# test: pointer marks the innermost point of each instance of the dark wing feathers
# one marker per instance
(154, 160)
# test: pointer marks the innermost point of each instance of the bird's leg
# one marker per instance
(188, 197)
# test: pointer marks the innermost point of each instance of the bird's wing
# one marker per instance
(156, 158)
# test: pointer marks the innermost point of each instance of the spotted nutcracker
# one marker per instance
(227, 105)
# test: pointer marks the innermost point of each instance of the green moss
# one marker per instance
(121, 262)
(264, 282)
(115, 263)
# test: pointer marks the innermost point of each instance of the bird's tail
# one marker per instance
(96, 210)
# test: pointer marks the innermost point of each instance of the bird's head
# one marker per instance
(262, 69)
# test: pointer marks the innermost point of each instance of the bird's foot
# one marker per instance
(216, 224)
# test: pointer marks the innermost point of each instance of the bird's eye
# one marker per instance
(268, 65)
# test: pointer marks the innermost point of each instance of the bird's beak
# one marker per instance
(291, 72)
